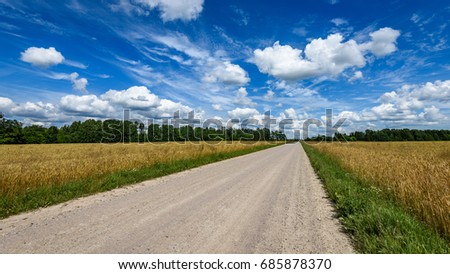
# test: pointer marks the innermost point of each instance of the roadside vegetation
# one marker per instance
(391, 197)
(389, 135)
(36, 176)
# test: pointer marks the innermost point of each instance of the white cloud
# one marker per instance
(432, 114)
(74, 64)
(383, 42)
(86, 105)
(37, 110)
(42, 57)
(428, 92)
(170, 10)
(137, 97)
(269, 95)
(217, 107)
(79, 84)
(289, 113)
(439, 90)
(229, 74)
(356, 76)
(339, 21)
(334, 56)
(5, 104)
(107, 105)
(242, 99)
(284, 62)
(243, 113)
(410, 104)
(181, 43)
(167, 108)
(112, 103)
(322, 57)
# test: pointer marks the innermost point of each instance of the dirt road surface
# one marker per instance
(265, 202)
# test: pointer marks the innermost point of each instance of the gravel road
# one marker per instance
(265, 202)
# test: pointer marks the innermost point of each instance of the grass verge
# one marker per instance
(51, 195)
(377, 223)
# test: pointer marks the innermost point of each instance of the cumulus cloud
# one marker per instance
(284, 62)
(269, 95)
(42, 57)
(413, 96)
(112, 103)
(86, 105)
(432, 114)
(5, 104)
(107, 105)
(289, 113)
(408, 104)
(38, 110)
(137, 97)
(78, 84)
(167, 108)
(242, 99)
(356, 76)
(228, 73)
(170, 10)
(322, 57)
(243, 113)
(383, 42)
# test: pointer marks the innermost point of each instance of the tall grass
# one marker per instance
(33, 176)
(376, 221)
(416, 173)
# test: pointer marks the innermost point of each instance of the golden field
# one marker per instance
(418, 173)
(31, 166)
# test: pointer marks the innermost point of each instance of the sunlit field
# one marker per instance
(25, 167)
(418, 174)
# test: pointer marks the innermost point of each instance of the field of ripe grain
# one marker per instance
(417, 173)
(25, 167)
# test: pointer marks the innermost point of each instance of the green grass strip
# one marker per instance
(377, 223)
(47, 196)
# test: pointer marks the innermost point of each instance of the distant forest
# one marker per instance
(116, 131)
(388, 135)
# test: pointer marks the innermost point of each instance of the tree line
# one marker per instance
(388, 135)
(117, 131)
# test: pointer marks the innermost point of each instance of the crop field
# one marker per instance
(418, 174)
(25, 167)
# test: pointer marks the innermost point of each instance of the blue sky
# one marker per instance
(376, 63)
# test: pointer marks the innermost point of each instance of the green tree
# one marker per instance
(10, 131)
(35, 134)
(52, 135)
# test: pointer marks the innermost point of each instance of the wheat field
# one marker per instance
(31, 166)
(417, 173)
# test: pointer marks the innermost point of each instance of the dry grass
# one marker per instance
(32, 166)
(418, 173)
